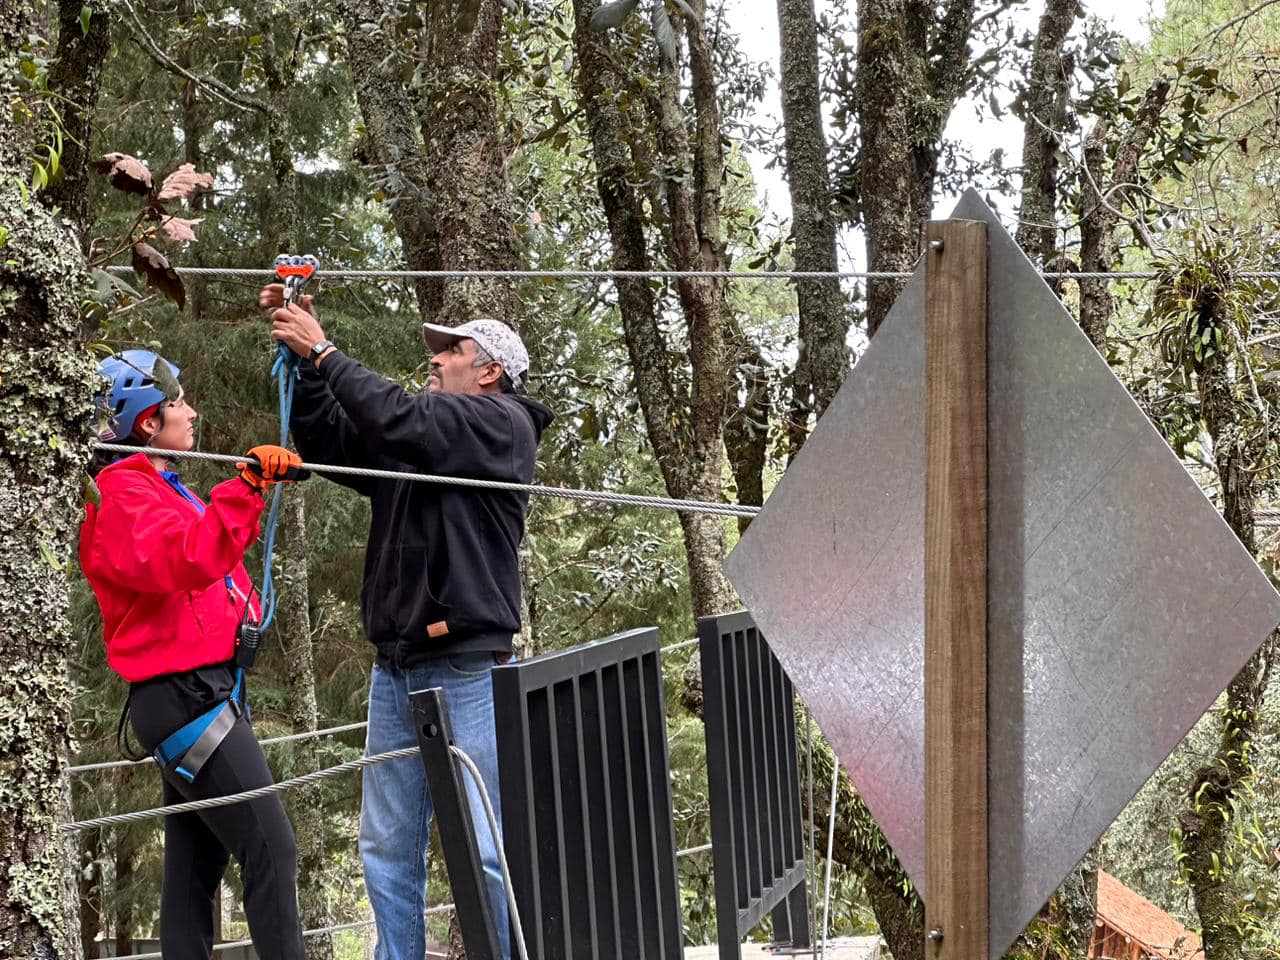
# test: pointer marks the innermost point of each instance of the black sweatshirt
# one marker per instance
(441, 573)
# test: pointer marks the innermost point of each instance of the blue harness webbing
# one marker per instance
(194, 743)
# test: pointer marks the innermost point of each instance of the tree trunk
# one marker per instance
(1208, 820)
(125, 854)
(44, 412)
(1096, 228)
(1044, 116)
(280, 227)
(890, 82)
(1101, 208)
(912, 67)
(77, 76)
(442, 156)
(305, 811)
(824, 324)
(746, 432)
(695, 240)
(466, 161)
(91, 891)
(684, 426)
(392, 144)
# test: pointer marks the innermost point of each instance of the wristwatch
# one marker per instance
(318, 348)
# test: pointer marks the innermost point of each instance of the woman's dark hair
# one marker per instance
(104, 458)
(98, 460)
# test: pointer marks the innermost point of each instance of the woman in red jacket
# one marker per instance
(168, 573)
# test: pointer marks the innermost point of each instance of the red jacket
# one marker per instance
(159, 568)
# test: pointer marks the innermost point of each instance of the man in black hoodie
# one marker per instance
(441, 596)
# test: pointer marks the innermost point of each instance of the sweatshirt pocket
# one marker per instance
(215, 618)
(420, 614)
(430, 621)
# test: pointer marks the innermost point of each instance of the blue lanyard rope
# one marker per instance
(285, 373)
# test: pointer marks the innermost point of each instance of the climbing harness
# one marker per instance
(195, 743)
(189, 747)
(295, 272)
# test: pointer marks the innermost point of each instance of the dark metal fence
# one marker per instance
(754, 785)
(586, 800)
(456, 824)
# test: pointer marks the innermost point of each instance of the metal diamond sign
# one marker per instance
(1119, 602)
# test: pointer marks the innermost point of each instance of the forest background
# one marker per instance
(477, 134)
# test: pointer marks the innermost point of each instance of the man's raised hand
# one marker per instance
(271, 297)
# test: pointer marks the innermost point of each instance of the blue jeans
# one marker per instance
(396, 806)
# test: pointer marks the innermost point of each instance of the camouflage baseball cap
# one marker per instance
(496, 338)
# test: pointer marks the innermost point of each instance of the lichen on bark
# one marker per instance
(45, 400)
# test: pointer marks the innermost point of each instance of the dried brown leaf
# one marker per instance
(150, 263)
(178, 230)
(127, 173)
(184, 183)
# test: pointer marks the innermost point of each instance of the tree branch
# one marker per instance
(952, 50)
(1243, 104)
(547, 132)
(1209, 38)
(213, 87)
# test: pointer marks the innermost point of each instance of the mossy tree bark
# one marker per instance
(684, 412)
(913, 64)
(76, 75)
(1044, 117)
(439, 153)
(823, 359)
(45, 399)
(1211, 815)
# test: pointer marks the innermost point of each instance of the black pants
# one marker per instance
(198, 846)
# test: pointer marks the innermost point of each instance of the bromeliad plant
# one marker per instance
(1216, 368)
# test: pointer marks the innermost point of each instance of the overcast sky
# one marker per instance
(757, 24)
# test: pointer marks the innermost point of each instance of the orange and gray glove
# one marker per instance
(267, 464)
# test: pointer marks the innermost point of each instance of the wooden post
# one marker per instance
(955, 592)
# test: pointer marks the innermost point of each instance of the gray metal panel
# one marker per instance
(1120, 603)
(832, 570)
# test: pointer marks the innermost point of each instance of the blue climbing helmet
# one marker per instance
(136, 382)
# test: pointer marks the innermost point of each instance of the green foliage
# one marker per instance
(592, 570)
(611, 15)
(1201, 335)
(35, 107)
